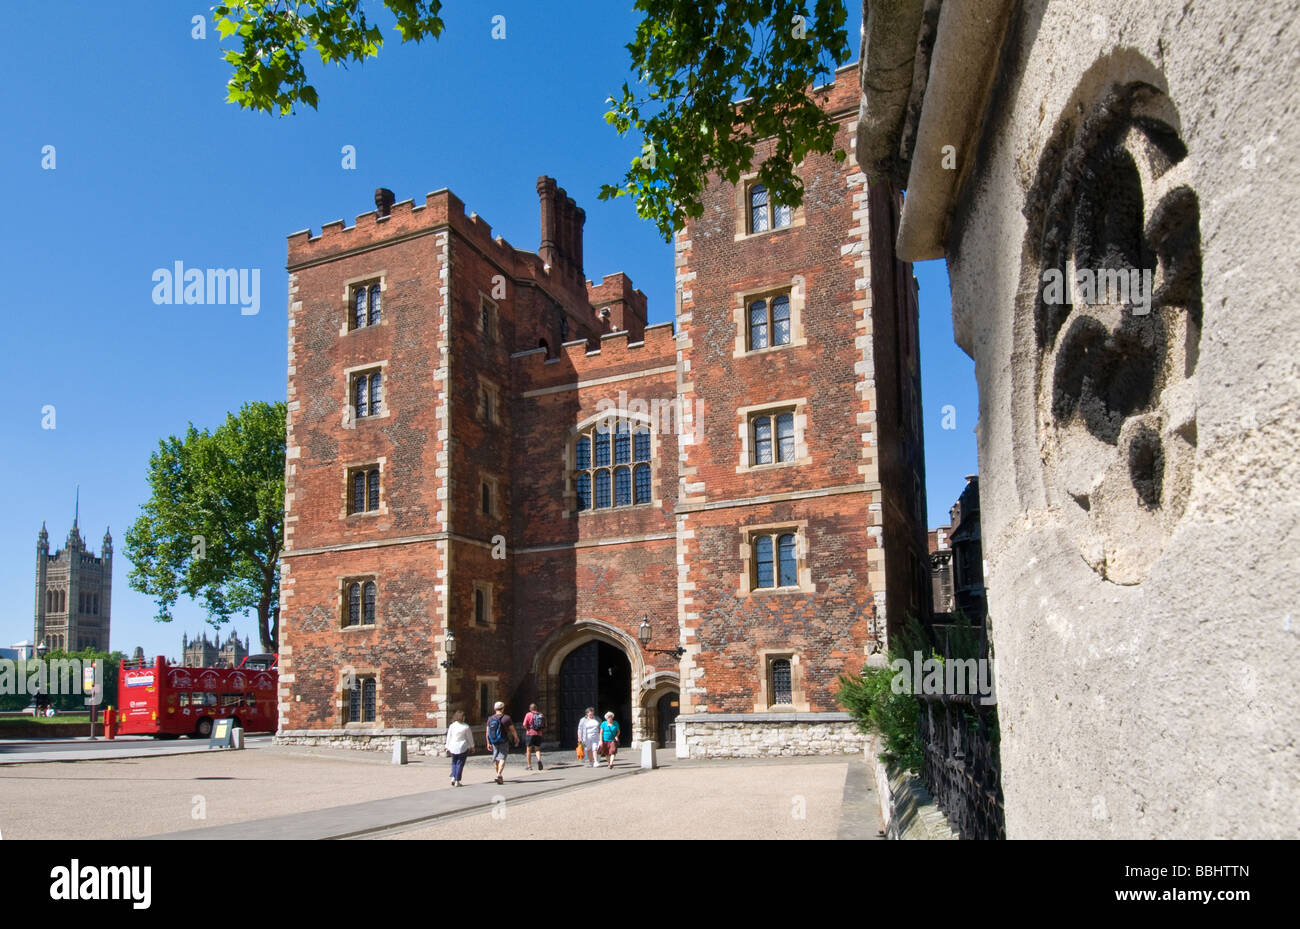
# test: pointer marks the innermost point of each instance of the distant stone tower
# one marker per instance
(200, 653)
(73, 592)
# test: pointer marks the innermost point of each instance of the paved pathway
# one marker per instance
(29, 751)
(315, 793)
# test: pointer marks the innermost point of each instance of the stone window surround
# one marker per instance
(350, 418)
(494, 402)
(359, 675)
(766, 657)
(489, 606)
(803, 570)
(347, 580)
(795, 290)
(494, 497)
(746, 415)
(349, 291)
(493, 334)
(493, 682)
(797, 217)
(348, 470)
(633, 420)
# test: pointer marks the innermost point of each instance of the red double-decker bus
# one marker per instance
(167, 701)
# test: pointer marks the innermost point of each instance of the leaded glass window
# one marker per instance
(785, 437)
(368, 394)
(763, 440)
(612, 443)
(758, 324)
(368, 616)
(763, 561)
(622, 444)
(781, 320)
(374, 306)
(769, 322)
(641, 480)
(354, 604)
(787, 568)
(758, 215)
(782, 689)
(364, 491)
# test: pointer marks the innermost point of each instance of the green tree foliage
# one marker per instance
(273, 35)
(694, 61)
(65, 702)
(214, 525)
(713, 79)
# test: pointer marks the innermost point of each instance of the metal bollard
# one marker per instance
(399, 751)
(649, 759)
(237, 738)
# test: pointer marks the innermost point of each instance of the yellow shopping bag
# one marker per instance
(581, 754)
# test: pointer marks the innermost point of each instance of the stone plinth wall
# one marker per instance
(759, 735)
(418, 742)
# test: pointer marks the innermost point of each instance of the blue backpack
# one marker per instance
(496, 733)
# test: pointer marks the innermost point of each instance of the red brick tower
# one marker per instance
(488, 450)
(800, 524)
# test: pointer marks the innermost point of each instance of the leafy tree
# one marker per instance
(214, 525)
(65, 702)
(273, 35)
(714, 78)
(695, 60)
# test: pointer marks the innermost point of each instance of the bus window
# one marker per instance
(231, 699)
(209, 699)
(184, 696)
(251, 701)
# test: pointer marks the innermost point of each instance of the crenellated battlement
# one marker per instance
(617, 354)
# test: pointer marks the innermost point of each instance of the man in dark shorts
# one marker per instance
(500, 735)
(534, 724)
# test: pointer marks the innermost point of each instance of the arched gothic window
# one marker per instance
(611, 465)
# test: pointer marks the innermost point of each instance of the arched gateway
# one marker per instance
(593, 663)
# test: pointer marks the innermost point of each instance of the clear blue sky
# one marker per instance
(153, 167)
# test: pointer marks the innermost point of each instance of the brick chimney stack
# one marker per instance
(562, 223)
(384, 199)
(546, 193)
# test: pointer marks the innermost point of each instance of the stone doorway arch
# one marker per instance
(660, 705)
(610, 645)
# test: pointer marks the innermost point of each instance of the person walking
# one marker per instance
(460, 742)
(534, 723)
(609, 738)
(500, 736)
(589, 736)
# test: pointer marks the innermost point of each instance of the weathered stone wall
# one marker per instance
(1138, 471)
(761, 735)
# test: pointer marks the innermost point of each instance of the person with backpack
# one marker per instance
(589, 736)
(534, 724)
(609, 738)
(500, 735)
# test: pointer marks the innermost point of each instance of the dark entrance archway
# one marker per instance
(599, 675)
(666, 711)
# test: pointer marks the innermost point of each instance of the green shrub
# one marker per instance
(870, 699)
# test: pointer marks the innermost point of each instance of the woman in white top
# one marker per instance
(589, 734)
(460, 742)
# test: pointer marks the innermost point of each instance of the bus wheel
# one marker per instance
(204, 729)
